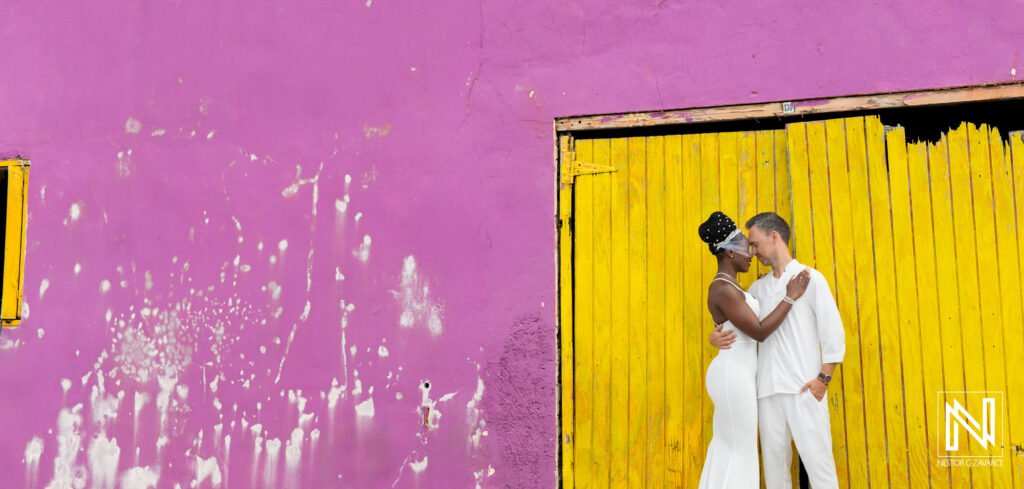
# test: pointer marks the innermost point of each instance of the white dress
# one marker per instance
(732, 459)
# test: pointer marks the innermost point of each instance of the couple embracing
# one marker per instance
(779, 344)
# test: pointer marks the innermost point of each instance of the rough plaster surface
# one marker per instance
(225, 197)
(522, 375)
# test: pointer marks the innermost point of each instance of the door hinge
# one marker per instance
(572, 168)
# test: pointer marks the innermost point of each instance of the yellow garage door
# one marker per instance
(919, 243)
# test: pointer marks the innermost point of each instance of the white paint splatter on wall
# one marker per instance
(363, 252)
(416, 467)
(420, 466)
(273, 453)
(104, 455)
(414, 297)
(67, 473)
(293, 458)
(336, 392)
(124, 163)
(476, 425)
(140, 478)
(33, 451)
(370, 132)
(132, 126)
(207, 469)
(365, 408)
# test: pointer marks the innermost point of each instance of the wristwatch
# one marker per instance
(824, 378)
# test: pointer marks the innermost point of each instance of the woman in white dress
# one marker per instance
(732, 458)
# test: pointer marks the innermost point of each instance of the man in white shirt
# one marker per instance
(795, 364)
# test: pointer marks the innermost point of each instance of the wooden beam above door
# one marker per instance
(791, 108)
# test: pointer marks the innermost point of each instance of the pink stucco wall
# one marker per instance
(257, 229)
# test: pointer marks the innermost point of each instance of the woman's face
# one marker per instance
(740, 259)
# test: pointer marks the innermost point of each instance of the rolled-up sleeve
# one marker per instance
(830, 324)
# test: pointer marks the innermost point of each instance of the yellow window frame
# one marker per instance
(14, 245)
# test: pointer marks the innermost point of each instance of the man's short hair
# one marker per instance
(768, 222)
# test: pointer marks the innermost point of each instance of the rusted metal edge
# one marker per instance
(791, 108)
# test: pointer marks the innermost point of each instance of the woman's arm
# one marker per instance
(733, 305)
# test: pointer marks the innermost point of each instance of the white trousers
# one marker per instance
(802, 419)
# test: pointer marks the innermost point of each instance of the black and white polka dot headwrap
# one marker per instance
(718, 231)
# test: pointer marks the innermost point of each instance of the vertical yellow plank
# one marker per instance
(584, 323)
(602, 312)
(846, 279)
(1009, 292)
(918, 458)
(817, 164)
(765, 147)
(1014, 336)
(747, 160)
(637, 312)
(793, 181)
(710, 202)
(674, 237)
(947, 285)
(802, 235)
(619, 436)
(802, 231)
(728, 180)
(967, 270)
(655, 311)
(885, 282)
(784, 206)
(821, 206)
(728, 176)
(823, 222)
(695, 327)
(990, 308)
(921, 230)
(565, 314)
(852, 371)
(783, 202)
(729, 203)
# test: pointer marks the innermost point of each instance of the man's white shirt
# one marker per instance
(810, 335)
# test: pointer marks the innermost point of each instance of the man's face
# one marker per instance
(762, 245)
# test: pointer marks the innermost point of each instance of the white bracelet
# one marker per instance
(790, 301)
